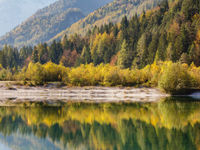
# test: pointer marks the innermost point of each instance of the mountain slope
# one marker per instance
(112, 12)
(169, 32)
(49, 21)
(13, 12)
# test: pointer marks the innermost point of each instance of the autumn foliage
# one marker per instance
(166, 75)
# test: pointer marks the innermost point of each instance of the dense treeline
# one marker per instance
(171, 31)
(13, 58)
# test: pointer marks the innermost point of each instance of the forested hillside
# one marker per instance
(48, 22)
(13, 12)
(112, 12)
(167, 37)
(171, 31)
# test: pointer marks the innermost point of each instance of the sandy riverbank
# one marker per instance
(14, 93)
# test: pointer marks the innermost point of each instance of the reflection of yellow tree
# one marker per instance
(164, 114)
(109, 126)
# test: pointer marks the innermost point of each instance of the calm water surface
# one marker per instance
(171, 124)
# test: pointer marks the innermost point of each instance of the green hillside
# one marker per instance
(112, 12)
(48, 22)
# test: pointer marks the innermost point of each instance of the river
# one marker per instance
(171, 123)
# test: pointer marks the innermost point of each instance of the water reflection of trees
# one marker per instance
(109, 126)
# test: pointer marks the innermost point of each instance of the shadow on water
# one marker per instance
(171, 124)
(189, 98)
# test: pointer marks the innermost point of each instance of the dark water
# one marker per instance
(170, 124)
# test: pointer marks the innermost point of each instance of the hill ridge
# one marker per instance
(49, 21)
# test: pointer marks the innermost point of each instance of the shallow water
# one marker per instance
(170, 124)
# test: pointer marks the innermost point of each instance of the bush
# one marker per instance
(111, 76)
(54, 72)
(5, 75)
(35, 73)
(84, 75)
(195, 74)
(128, 77)
(175, 78)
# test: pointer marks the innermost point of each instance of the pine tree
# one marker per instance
(142, 52)
(65, 43)
(43, 53)
(55, 52)
(161, 52)
(152, 48)
(34, 57)
(124, 26)
(95, 58)
(3, 59)
(85, 56)
(124, 58)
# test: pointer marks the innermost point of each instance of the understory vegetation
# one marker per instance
(170, 77)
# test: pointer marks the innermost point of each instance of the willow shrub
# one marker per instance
(175, 78)
(195, 75)
(40, 74)
(53, 72)
(6, 75)
(111, 76)
(171, 77)
(35, 73)
(104, 75)
(84, 75)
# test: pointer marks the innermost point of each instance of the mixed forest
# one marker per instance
(159, 40)
(112, 12)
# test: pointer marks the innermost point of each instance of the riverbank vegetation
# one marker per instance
(170, 77)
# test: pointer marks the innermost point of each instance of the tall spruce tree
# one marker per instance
(124, 58)
(35, 57)
(85, 55)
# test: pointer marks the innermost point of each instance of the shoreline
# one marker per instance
(53, 93)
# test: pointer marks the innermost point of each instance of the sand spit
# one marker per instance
(14, 94)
